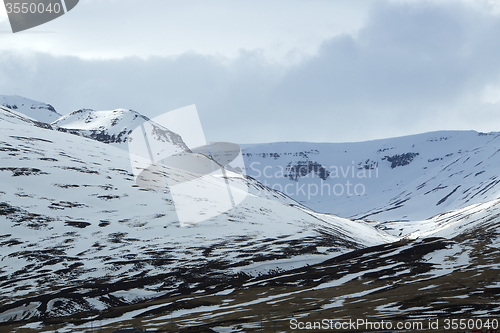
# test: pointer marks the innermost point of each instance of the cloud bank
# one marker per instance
(413, 67)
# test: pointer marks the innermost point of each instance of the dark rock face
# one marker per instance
(105, 137)
(368, 165)
(23, 171)
(13, 107)
(304, 168)
(400, 159)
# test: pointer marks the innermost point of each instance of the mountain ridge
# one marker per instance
(390, 177)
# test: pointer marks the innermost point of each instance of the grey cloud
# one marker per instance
(405, 54)
(407, 71)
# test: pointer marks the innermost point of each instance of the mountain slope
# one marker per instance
(407, 178)
(417, 280)
(76, 231)
(83, 246)
(36, 110)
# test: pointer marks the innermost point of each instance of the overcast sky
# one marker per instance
(273, 70)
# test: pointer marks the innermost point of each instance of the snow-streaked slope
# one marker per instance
(11, 116)
(71, 216)
(449, 224)
(407, 178)
(406, 280)
(78, 235)
(37, 110)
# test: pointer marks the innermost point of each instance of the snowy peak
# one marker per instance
(88, 119)
(37, 110)
(114, 126)
(111, 127)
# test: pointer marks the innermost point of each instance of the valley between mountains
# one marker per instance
(83, 248)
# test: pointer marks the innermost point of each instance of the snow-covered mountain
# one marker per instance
(36, 110)
(390, 179)
(114, 126)
(71, 216)
(407, 178)
(82, 245)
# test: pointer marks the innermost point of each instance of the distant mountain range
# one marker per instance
(81, 243)
(407, 178)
